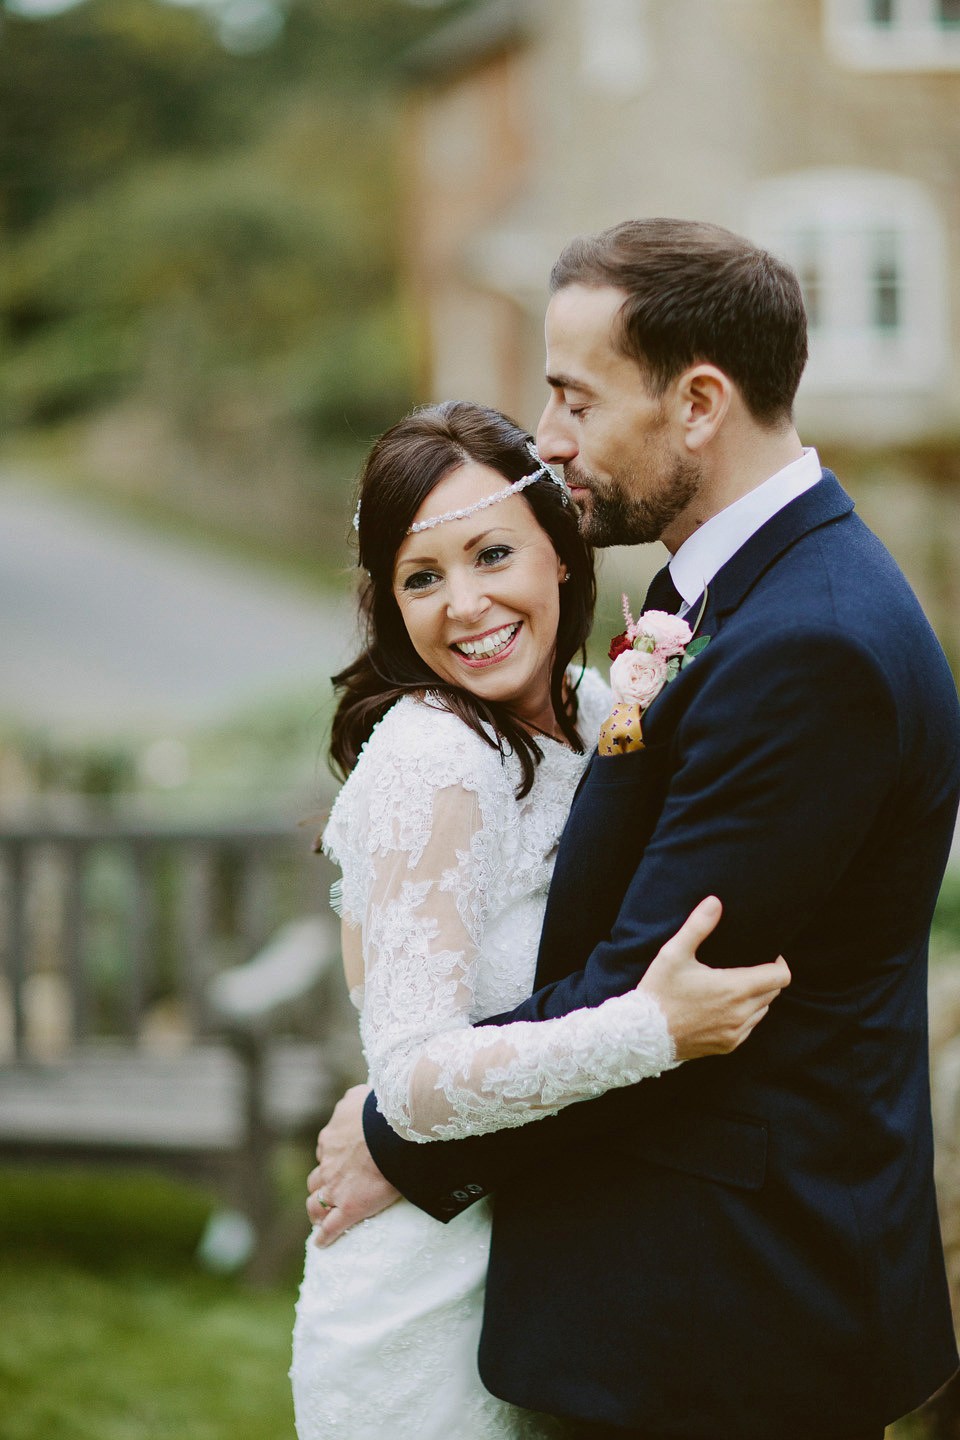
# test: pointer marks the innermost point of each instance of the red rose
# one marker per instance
(618, 644)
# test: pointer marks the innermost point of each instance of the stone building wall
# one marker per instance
(593, 110)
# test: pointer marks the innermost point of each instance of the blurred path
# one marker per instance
(106, 628)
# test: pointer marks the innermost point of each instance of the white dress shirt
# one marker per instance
(712, 545)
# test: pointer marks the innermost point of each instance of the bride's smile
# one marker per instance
(486, 649)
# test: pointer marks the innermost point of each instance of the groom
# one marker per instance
(748, 1247)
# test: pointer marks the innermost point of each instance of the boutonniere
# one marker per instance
(648, 654)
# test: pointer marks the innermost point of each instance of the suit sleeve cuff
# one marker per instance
(429, 1176)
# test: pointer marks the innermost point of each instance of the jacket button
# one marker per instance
(460, 1195)
(475, 1190)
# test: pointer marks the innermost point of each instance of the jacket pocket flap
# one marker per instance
(730, 1149)
(636, 767)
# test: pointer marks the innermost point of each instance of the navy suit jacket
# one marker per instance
(747, 1246)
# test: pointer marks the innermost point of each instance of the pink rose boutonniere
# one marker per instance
(648, 655)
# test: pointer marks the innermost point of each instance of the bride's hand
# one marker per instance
(346, 1186)
(709, 1012)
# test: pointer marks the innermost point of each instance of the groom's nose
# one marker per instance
(556, 442)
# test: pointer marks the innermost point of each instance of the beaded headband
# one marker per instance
(543, 472)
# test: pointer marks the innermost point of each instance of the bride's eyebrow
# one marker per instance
(417, 562)
(494, 530)
(421, 560)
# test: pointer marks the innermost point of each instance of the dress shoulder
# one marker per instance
(387, 802)
(420, 738)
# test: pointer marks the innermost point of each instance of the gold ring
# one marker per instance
(325, 1203)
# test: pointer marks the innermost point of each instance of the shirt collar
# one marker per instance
(710, 547)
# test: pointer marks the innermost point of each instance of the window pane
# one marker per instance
(886, 281)
(881, 12)
(806, 250)
(949, 12)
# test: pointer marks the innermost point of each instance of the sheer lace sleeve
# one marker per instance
(475, 1081)
(437, 1077)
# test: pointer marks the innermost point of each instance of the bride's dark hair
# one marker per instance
(405, 464)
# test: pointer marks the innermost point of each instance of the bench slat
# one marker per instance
(193, 1100)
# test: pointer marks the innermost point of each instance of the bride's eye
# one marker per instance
(494, 554)
(419, 580)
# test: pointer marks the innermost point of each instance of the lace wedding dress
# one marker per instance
(445, 876)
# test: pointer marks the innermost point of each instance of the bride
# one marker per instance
(464, 732)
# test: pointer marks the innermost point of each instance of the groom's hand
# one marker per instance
(346, 1187)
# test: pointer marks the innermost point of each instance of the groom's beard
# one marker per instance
(629, 510)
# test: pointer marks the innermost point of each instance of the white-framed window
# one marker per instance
(894, 34)
(615, 53)
(868, 249)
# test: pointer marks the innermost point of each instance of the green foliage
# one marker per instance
(190, 279)
(107, 85)
(100, 87)
(186, 276)
(111, 1221)
(211, 235)
(946, 920)
(99, 770)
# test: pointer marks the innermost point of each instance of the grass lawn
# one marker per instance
(110, 1331)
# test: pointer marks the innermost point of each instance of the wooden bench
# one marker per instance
(200, 1069)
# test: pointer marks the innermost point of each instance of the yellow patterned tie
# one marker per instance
(620, 732)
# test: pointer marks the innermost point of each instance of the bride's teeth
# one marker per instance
(490, 644)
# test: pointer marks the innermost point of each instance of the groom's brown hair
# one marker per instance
(695, 291)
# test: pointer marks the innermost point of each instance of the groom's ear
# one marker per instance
(703, 395)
